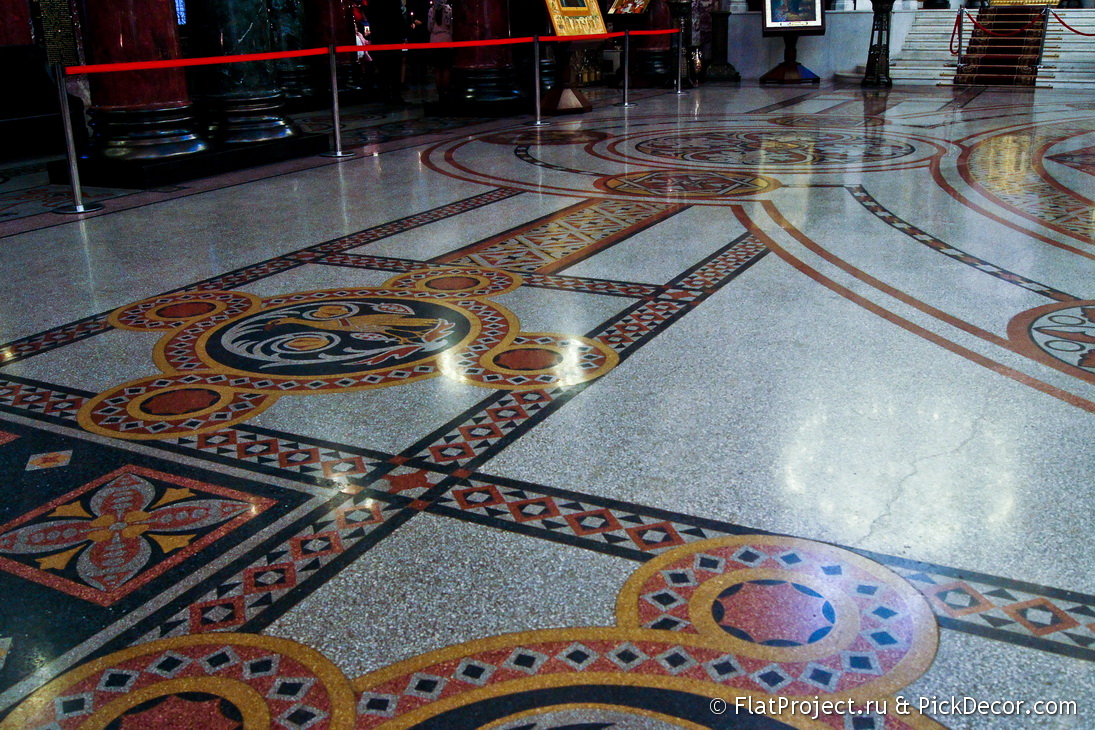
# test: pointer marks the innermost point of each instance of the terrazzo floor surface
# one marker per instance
(655, 417)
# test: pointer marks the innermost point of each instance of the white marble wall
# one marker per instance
(842, 48)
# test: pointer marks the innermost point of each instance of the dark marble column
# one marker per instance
(242, 101)
(138, 114)
(652, 56)
(287, 34)
(483, 75)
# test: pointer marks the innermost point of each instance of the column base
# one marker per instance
(484, 86)
(652, 68)
(295, 81)
(144, 134)
(248, 120)
(155, 173)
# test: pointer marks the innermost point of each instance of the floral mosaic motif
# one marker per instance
(545, 136)
(227, 356)
(109, 537)
(764, 148)
(687, 184)
(1067, 335)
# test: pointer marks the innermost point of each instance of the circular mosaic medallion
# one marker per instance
(1062, 333)
(774, 613)
(336, 336)
(774, 148)
(800, 617)
(221, 680)
(687, 184)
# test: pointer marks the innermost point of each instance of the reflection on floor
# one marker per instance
(699, 414)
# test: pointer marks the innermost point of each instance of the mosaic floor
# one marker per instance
(752, 408)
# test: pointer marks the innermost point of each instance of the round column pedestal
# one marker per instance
(295, 79)
(144, 134)
(248, 119)
(652, 67)
(493, 88)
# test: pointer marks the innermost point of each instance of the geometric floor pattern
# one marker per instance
(753, 408)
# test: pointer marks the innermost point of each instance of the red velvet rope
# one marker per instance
(1028, 26)
(954, 32)
(1058, 17)
(210, 60)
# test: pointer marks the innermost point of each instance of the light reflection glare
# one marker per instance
(931, 473)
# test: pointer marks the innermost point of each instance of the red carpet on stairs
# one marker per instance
(1003, 60)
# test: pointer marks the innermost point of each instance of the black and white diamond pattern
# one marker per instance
(665, 599)
(820, 676)
(525, 660)
(425, 686)
(860, 662)
(627, 656)
(301, 717)
(474, 672)
(117, 680)
(577, 656)
(290, 689)
(381, 705)
(168, 664)
(676, 660)
(71, 706)
(261, 667)
(220, 659)
(723, 668)
(772, 678)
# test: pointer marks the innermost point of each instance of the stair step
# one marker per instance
(1068, 60)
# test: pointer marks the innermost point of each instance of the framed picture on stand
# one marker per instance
(802, 17)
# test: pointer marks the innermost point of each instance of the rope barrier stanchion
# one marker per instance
(536, 79)
(680, 67)
(335, 115)
(627, 70)
(1042, 40)
(78, 205)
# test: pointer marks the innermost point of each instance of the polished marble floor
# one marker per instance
(642, 419)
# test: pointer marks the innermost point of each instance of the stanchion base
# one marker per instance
(682, 92)
(77, 209)
(338, 155)
(628, 103)
(540, 123)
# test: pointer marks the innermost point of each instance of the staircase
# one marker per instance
(1069, 59)
(924, 58)
(1004, 48)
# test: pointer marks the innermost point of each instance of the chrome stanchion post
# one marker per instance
(627, 69)
(78, 205)
(536, 79)
(335, 115)
(680, 67)
(961, 30)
